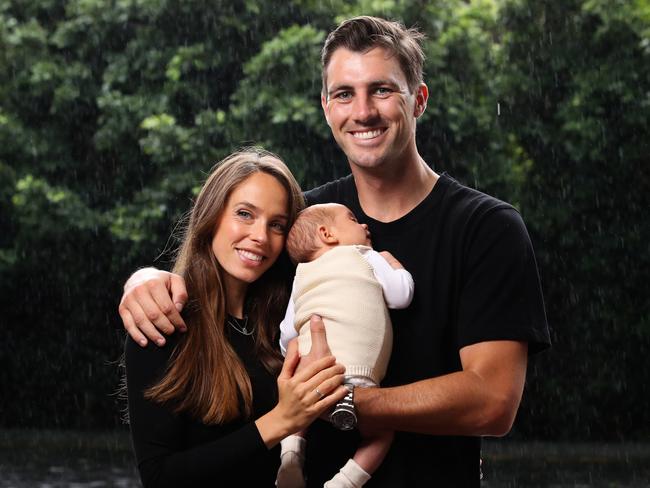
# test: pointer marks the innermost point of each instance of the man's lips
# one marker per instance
(367, 134)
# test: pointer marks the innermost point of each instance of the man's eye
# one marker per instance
(345, 95)
(382, 90)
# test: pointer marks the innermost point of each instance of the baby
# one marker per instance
(351, 286)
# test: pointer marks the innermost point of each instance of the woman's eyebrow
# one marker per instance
(254, 207)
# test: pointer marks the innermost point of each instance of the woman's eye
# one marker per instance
(244, 214)
(279, 227)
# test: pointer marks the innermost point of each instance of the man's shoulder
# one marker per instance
(337, 191)
(470, 201)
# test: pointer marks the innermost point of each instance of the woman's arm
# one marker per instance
(159, 435)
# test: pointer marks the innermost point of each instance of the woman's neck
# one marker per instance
(235, 297)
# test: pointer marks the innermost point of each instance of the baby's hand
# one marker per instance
(390, 259)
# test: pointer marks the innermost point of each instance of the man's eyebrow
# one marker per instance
(372, 84)
(384, 82)
(336, 88)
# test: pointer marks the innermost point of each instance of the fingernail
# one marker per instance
(182, 328)
(179, 306)
(160, 342)
(143, 342)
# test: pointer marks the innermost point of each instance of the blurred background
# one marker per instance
(113, 111)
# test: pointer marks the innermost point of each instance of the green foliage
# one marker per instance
(277, 103)
(583, 71)
(111, 113)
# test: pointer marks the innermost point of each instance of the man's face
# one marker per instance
(369, 108)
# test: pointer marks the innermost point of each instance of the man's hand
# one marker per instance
(319, 347)
(151, 304)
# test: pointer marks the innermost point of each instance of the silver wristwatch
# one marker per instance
(344, 416)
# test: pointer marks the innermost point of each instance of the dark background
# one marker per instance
(112, 112)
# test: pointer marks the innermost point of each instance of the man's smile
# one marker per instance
(368, 134)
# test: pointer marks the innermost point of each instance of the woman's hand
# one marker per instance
(303, 395)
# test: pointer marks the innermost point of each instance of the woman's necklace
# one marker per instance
(242, 329)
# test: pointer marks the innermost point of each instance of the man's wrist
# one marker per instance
(142, 275)
(365, 402)
(344, 416)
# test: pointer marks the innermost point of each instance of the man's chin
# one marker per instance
(366, 161)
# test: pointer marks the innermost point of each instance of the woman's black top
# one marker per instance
(177, 450)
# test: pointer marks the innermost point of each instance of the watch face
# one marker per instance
(344, 419)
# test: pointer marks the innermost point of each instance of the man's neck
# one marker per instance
(388, 196)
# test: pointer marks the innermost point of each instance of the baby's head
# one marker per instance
(320, 227)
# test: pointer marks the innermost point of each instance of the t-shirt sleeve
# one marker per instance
(287, 326)
(501, 297)
(158, 433)
(397, 284)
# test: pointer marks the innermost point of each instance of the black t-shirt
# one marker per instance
(177, 450)
(475, 280)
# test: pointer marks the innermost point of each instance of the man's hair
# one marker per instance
(302, 240)
(361, 34)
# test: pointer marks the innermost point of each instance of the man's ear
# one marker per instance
(326, 236)
(421, 97)
(323, 103)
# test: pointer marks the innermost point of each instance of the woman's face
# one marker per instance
(251, 230)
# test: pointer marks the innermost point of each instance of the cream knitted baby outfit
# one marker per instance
(341, 287)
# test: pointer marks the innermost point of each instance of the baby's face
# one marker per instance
(347, 229)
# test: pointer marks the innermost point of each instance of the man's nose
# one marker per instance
(364, 108)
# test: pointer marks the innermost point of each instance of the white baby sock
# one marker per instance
(292, 458)
(350, 476)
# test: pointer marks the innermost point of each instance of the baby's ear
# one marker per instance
(326, 236)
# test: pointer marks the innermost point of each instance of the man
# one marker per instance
(460, 350)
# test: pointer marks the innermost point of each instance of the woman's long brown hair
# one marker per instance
(206, 378)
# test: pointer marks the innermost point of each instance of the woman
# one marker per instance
(204, 409)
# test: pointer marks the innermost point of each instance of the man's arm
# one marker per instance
(482, 399)
(151, 304)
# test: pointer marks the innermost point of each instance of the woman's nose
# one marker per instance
(260, 232)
